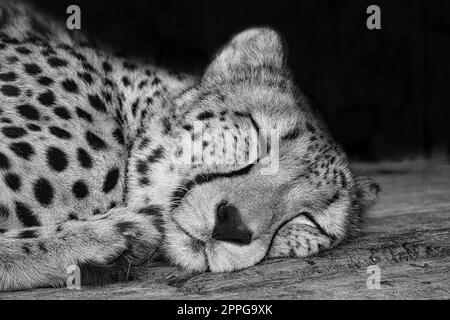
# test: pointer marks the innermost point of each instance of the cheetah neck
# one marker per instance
(143, 93)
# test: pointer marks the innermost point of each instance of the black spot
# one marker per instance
(45, 81)
(86, 77)
(84, 158)
(156, 81)
(144, 181)
(62, 112)
(42, 247)
(27, 111)
(107, 66)
(28, 234)
(26, 216)
(13, 132)
(77, 55)
(142, 84)
(88, 67)
(167, 127)
(134, 107)
(80, 189)
(43, 191)
(97, 103)
(107, 96)
(143, 114)
(125, 226)
(144, 143)
(4, 212)
(13, 181)
(60, 133)
(56, 159)
(83, 114)
(96, 212)
(187, 127)
(4, 161)
(22, 149)
(95, 141)
(70, 86)
(23, 50)
(26, 248)
(117, 134)
(33, 127)
(8, 76)
(112, 205)
(10, 90)
(125, 81)
(151, 210)
(33, 69)
(141, 167)
(291, 135)
(159, 224)
(56, 62)
(72, 216)
(156, 155)
(205, 115)
(111, 180)
(8, 39)
(108, 82)
(47, 98)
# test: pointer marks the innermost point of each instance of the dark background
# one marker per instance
(385, 93)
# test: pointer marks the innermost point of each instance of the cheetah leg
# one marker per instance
(300, 238)
(39, 256)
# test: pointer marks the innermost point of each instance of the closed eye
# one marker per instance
(185, 187)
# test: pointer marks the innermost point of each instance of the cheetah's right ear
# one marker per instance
(251, 48)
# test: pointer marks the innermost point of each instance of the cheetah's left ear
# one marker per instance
(251, 48)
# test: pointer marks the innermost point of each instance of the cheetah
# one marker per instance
(106, 162)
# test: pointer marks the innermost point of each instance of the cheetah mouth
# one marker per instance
(195, 245)
(193, 237)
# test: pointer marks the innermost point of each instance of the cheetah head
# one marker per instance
(231, 203)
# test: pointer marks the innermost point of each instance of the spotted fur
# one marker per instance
(94, 170)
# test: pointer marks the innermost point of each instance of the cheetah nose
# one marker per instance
(229, 226)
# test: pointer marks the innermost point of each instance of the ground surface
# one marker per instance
(407, 235)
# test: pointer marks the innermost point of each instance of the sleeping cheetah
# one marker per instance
(105, 162)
